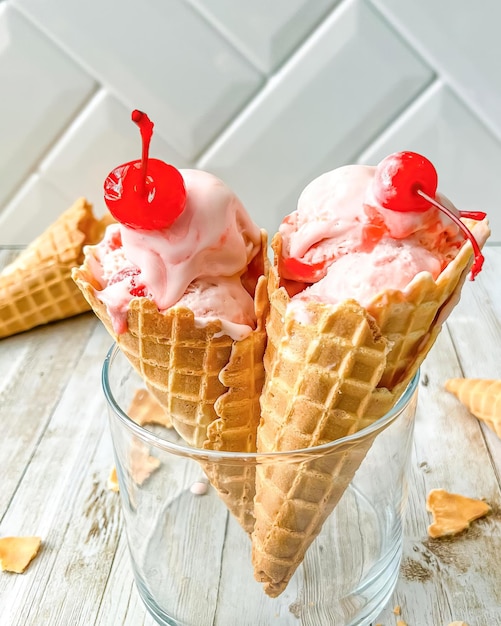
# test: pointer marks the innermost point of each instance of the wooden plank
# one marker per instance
(34, 370)
(56, 455)
(121, 603)
(475, 328)
(457, 579)
(7, 255)
(186, 536)
(63, 498)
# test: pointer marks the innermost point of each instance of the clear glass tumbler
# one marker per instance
(191, 557)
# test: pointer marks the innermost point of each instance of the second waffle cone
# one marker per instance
(329, 374)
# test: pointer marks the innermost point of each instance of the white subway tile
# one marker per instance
(41, 89)
(461, 40)
(160, 56)
(36, 205)
(266, 32)
(467, 157)
(342, 87)
(102, 137)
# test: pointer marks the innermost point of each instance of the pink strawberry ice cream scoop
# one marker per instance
(197, 261)
(355, 235)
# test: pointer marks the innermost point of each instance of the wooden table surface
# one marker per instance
(55, 458)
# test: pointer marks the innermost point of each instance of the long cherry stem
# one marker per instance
(146, 129)
(479, 258)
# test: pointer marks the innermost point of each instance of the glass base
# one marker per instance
(306, 600)
(191, 557)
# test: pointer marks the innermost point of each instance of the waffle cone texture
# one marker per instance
(208, 384)
(37, 288)
(330, 373)
(482, 397)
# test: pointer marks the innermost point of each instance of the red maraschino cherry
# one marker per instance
(147, 194)
(399, 176)
(407, 181)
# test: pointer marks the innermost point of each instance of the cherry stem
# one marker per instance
(473, 215)
(479, 258)
(146, 129)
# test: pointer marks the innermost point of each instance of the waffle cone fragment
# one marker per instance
(208, 384)
(36, 288)
(482, 397)
(329, 376)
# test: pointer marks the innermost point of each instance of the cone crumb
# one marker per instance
(199, 488)
(458, 624)
(16, 553)
(401, 623)
(452, 513)
(113, 480)
(397, 610)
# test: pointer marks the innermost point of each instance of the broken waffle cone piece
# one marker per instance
(142, 464)
(452, 513)
(323, 383)
(16, 553)
(207, 383)
(37, 288)
(145, 409)
(482, 397)
(112, 482)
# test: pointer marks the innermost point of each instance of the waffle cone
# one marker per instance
(412, 320)
(482, 397)
(330, 375)
(208, 384)
(37, 288)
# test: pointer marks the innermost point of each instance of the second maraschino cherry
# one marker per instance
(399, 176)
(146, 194)
(407, 182)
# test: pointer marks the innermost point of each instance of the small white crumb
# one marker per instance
(199, 488)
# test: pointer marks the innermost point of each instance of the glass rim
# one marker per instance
(219, 455)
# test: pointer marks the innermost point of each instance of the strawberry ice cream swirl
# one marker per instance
(345, 245)
(196, 262)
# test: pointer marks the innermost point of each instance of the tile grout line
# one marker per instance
(268, 82)
(435, 64)
(35, 169)
(426, 92)
(248, 54)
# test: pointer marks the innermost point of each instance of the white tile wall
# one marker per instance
(265, 94)
(42, 89)
(269, 32)
(439, 125)
(100, 138)
(319, 111)
(461, 40)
